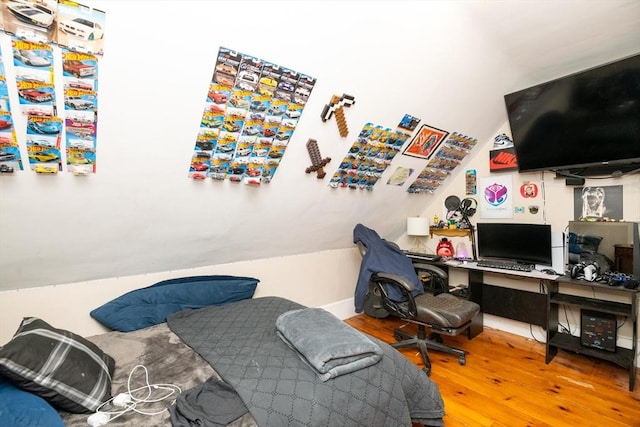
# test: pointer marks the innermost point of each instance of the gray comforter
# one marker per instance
(239, 340)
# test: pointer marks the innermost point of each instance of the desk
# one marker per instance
(624, 357)
(541, 309)
(516, 304)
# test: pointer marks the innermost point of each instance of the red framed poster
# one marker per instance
(425, 142)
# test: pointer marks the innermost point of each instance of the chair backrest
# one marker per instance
(379, 256)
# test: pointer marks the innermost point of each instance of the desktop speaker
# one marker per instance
(598, 330)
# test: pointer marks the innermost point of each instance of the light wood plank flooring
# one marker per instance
(505, 382)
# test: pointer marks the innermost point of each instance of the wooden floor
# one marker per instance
(506, 383)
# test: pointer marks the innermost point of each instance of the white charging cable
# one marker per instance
(130, 402)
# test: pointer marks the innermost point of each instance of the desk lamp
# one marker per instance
(418, 227)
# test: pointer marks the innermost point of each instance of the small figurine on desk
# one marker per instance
(445, 248)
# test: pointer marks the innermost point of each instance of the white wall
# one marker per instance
(314, 279)
(319, 279)
(437, 60)
(140, 209)
(80, 242)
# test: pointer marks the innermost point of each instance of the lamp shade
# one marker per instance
(417, 226)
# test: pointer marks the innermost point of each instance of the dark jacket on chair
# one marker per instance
(381, 256)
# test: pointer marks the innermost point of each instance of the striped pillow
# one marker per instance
(63, 368)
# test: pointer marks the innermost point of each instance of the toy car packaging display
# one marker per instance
(30, 21)
(368, 157)
(80, 78)
(10, 160)
(34, 76)
(43, 144)
(251, 110)
(448, 156)
(80, 28)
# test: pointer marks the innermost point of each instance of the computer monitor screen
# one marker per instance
(527, 243)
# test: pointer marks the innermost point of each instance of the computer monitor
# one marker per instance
(526, 243)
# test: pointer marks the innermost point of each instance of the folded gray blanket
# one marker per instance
(328, 345)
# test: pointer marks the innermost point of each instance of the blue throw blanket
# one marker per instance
(325, 343)
(384, 257)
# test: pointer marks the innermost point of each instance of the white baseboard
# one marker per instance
(341, 309)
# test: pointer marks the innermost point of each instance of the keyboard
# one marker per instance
(505, 265)
(423, 256)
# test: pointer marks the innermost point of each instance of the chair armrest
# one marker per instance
(428, 267)
(405, 287)
(404, 284)
(438, 277)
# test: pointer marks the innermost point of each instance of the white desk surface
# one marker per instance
(472, 265)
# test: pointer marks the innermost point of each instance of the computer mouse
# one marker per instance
(550, 271)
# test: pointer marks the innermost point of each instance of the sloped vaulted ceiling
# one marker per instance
(546, 40)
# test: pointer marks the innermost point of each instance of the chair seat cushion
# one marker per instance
(445, 310)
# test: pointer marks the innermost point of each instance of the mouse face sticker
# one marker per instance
(495, 194)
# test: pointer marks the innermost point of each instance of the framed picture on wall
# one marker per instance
(425, 142)
(598, 203)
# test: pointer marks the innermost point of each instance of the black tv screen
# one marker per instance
(587, 119)
(527, 243)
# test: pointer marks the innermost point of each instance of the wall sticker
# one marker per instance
(496, 199)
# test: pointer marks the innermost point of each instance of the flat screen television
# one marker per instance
(584, 121)
(525, 243)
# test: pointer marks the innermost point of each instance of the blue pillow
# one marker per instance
(19, 408)
(151, 305)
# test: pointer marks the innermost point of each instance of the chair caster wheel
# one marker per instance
(397, 336)
(427, 371)
(462, 361)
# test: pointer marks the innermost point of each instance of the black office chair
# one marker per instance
(435, 309)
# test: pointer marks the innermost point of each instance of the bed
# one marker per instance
(233, 355)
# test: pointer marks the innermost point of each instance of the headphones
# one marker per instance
(589, 271)
(468, 206)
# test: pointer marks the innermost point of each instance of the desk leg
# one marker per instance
(552, 321)
(475, 295)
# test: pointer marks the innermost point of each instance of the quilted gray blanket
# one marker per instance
(239, 341)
